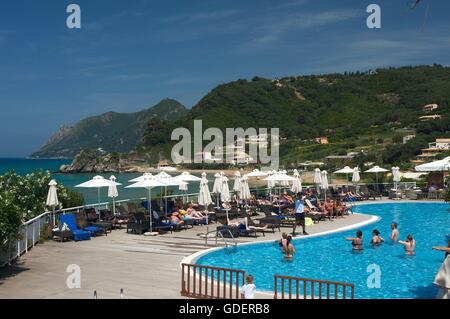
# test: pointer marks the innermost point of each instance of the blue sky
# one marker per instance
(131, 54)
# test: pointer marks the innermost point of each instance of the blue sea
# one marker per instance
(24, 166)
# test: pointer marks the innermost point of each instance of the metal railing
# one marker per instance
(286, 287)
(206, 282)
(218, 234)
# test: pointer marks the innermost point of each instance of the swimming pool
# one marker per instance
(330, 257)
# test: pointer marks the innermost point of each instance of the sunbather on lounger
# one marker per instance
(243, 224)
(192, 213)
(176, 219)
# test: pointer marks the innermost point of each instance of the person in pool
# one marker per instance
(409, 244)
(443, 248)
(357, 242)
(283, 242)
(376, 238)
(394, 234)
(290, 249)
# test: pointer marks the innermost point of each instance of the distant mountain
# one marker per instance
(108, 132)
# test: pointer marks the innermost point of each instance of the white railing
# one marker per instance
(31, 232)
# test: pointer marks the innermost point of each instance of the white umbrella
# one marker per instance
(52, 197)
(169, 181)
(285, 182)
(317, 178)
(376, 170)
(187, 177)
(148, 183)
(436, 166)
(140, 178)
(356, 178)
(184, 178)
(245, 189)
(256, 173)
(225, 191)
(183, 186)
(324, 182)
(346, 170)
(296, 183)
(270, 182)
(396, 176)
(237, 187)
(217, 187)
(112, 192)
(97, 182)
(204, 197)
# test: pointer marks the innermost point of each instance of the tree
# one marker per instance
(10, 217)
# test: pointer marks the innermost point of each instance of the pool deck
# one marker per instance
(145, 267)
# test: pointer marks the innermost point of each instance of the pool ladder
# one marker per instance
(219, 235)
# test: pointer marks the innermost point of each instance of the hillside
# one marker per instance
(110, 132)
(355, 111)
(364, 113)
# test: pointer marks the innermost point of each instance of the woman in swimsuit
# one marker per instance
(356, 241)
(376, 238)
(290, 249)
(283, 242)
(409, 244)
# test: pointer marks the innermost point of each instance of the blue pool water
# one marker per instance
(330, 257)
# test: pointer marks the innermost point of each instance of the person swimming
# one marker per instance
(283, 242)
(409, 244)
(395, 233)
(376, 238)
(290, 249)
(357, 242)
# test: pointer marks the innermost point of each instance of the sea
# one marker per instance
(24, 166)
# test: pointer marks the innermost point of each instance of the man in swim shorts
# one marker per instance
(299, 215)
(394, 234)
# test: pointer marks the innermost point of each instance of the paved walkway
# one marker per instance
(145, 267)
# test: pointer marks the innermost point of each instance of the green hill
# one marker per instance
(109, 132)
(356, 111)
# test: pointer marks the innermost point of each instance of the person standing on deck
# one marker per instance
(299, 215)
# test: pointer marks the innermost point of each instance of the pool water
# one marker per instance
(330, 257)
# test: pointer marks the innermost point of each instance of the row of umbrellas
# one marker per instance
(240, 187)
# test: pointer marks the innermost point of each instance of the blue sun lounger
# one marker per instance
(78, 234)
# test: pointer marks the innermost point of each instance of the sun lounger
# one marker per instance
(138, 224)
(77, 233)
